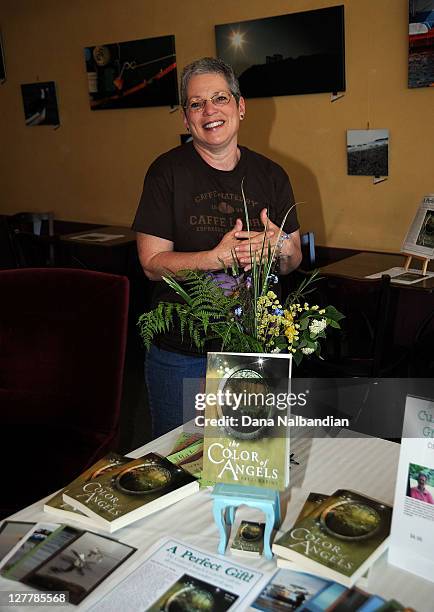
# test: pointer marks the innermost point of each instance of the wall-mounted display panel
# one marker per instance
(40, 103)
(299, 53)
(132, 74)
(421, 43)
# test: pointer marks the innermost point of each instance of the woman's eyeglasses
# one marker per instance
(221, 98)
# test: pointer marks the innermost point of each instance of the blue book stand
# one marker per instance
(227, 497)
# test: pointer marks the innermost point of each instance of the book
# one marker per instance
(131, 491)
(188, 453)
(59, 508)
(249, 539)
(412, 537)
(246, 412)
(312, 502)
(340, 539)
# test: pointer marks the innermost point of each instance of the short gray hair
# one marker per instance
(209, 65)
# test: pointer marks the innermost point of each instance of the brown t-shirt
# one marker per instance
(192, 204)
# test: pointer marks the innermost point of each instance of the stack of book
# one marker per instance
(118, 490)
(337, 537)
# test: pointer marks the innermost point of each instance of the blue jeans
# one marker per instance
(172, 380)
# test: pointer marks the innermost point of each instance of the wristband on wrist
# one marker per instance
(283, 236)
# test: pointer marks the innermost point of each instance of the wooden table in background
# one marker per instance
(414, 303)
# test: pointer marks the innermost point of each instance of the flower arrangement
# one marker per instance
(241, 310)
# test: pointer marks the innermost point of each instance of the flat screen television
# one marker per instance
(298, 53)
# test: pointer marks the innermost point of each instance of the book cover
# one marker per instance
(132, 491)
(313, 501)
(249, 539)
(188, 453)
(340, 539)
(59, 508)
(246, 419)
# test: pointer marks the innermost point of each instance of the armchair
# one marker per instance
(62, 348)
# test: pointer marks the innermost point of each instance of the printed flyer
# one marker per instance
(412, 537)
(178, 576)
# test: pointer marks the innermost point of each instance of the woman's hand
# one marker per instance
(224, 253)
(252, 244)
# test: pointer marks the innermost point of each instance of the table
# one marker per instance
(366, 263)
(114, 255)
(414, 304)
(326, 463)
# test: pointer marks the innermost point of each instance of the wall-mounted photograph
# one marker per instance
(132, 74)
(420, 43)
(298, 53)
(40, 103)
(368, 152)
(2, 63)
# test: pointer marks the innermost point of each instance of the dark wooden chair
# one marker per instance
(363, 347)
(308, 251)
(34, 238)
(62, 346)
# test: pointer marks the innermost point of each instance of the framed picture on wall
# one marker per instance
(40, 103)
(420, 43)
(2, 63)
(368, 152)
(297, 53)
(132, 74)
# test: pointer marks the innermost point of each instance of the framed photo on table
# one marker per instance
(419, 240)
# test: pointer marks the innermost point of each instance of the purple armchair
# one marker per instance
(62, 347)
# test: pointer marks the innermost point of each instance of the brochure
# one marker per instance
(34, 536)
(177, 576)
(293, 590)
(11, 532)
(401, 276)
(412, 535)
(80, 566)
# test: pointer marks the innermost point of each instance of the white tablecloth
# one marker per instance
(368, 465)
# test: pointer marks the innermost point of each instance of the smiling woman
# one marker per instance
(191, 216)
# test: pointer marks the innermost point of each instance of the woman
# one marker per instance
(191, 216)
